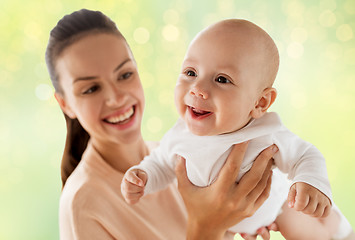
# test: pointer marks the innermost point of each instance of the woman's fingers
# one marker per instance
(264, 233)
(248, 236)
(265, 194)
(261, 166)
(273, 227)
(230, 170)
(259, 189)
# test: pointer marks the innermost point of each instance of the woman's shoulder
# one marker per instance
(79, 189)
(81, 204)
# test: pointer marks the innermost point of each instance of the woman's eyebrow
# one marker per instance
(84, 78)
(121, 64)
(94, 77)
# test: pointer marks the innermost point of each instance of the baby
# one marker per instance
(222, 96)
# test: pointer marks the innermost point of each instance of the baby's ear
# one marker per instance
(265, 101)
(64, 106)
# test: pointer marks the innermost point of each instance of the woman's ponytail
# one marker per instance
(68, 30)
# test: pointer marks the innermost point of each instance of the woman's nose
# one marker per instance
(115, 97)
(199, 91)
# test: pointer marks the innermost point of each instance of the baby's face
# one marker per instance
(219, 84)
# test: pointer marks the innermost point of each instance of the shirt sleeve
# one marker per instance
(302, 161)
(159, 166)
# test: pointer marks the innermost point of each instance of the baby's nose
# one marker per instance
(198, 91)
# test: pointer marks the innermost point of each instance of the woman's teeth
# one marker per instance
(121, 118)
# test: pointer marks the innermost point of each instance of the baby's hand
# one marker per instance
(132, 186)
(309, 200)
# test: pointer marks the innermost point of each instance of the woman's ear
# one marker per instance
(267, 98)
(64, 106)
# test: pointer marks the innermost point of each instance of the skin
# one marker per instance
(238, 75)
(220, 79)
(101, 86)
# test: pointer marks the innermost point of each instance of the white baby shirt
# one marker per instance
(205, 156)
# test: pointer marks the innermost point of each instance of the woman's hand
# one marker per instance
(214, 209)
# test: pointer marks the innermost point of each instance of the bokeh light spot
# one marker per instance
(327, 18)
(166, 98)
(171, 16)
(334, 51)
(41, 70)
(243, 14)
(33, 29)
(349, 7)
(344, 32)
(294, 8)
(13, 63)
(154, 124)
(54, 6)
(170, 33)
(299, 35)
(349, 56)
(328, 4)
(147, 79)
(295, 50)
(298, 100)
(43, 92)
(141, 35)
(317, 34)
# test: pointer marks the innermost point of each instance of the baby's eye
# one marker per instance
(222, 79)
(191, 73)
(91, 90)
(125, 75)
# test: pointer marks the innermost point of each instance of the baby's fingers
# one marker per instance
(129, 187)
(310, 208)
(318, 212)
(301, 198)
(133, 198)
(134, 177)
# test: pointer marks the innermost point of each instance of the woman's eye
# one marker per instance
(221, 79)
(91, 90)
(126, 75)
(190, 73)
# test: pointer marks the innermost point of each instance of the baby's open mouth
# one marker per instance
(199, 112)
(122, 118)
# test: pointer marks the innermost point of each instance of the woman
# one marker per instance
(98, 88)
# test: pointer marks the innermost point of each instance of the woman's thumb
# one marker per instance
(292, 196)
(180, 172)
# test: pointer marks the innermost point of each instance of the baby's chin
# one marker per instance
(204, 131)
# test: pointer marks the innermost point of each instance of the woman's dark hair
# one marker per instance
(68, 30)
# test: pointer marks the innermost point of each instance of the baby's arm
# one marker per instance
(309, 200)
(133, 184)
(310, 192)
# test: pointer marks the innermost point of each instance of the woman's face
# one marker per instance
(102, 89)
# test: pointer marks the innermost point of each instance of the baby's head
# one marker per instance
(226, 77)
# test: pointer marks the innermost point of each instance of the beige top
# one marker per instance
(92, 207)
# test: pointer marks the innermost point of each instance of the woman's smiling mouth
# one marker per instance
(121, 118)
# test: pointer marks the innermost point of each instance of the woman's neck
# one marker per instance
(122, 156)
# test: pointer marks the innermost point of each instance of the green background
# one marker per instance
(316, 85)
